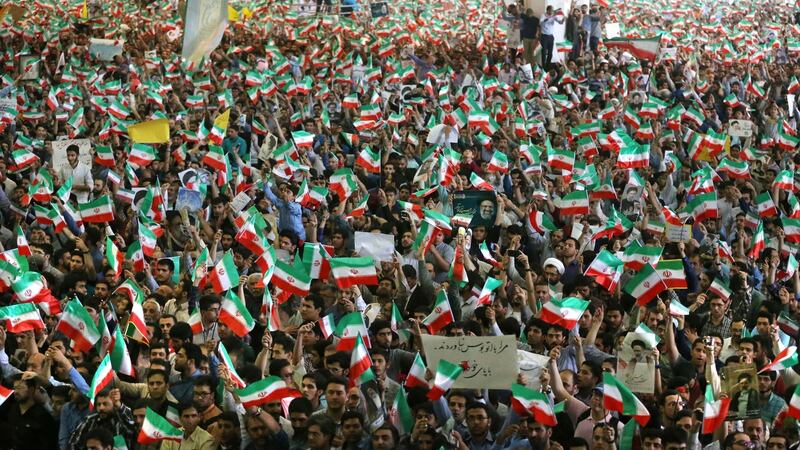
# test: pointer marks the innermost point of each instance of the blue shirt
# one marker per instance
(291, 214)
(71, 416)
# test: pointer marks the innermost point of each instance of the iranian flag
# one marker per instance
(442, 314)
(479, 183)
(120, 357)
(114, 257)
(735, 169)
(714, 411)
(498, 163)
(353, 271)
(487, 292)
(487, 255)
(21, 317)
(794, 404)
(446, 375)
(224, 276)
(215, 158)
(526, 401)
(77, 324)
(225, 360)
(99, 210)
(234, 314)
(23, 158)
(268, 390)
(293, 279)
(22, 243)
(672, 273)
(757, 244)
(720, 288)
(558, 158)
(400, 414)
(327, 325)
(541, 222)
(360, 209)
(791, 228)
(360, 364)
(416, 375)
(141, 155)
(315, 259)
(103, 376)
(766, 207)
(104, 156)
(617, 397)
(636, 257)
(640, 48)
(302, 139)
(783, 360)
(788, 325)
(348, 329)
(220, 127)
(426, 235)
(634, 156)
(576, 202)
(703, 206)
(645, 285)
(156, 429)
(564, 312)
(5, 393)
(606, 269)
(370, 160)
(677, 308)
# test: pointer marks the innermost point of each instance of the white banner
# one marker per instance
(488, 361)
(206, 21)
(379, 246)
(60, 151)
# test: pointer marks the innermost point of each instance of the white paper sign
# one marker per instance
(741, 128)
(612, 30)
(488, 361)
(379, 246)
(239, 202)
(105, 49)
(60, 151)
(531, 365)
(677, 233)
(790, 99)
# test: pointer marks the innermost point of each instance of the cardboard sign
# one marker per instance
(488, 361)
(60, 151)
(677, 233)
(741, 128)
(239, 202)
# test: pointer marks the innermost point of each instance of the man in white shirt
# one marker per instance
(81, 175)
(547, 23)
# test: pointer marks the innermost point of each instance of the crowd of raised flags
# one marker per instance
(235, 150)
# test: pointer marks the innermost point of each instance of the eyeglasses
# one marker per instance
(202, 394)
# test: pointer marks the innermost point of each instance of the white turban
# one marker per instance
(555, 263)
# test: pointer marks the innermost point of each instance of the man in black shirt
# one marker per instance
(529, 32)
(28, 424)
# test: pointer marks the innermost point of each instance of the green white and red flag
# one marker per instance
(766, 207)
(234, 314)
(442, 314)
(617, 397)
(645, 285)
(99, 210)
(446, 375)
(349, 328)
(224, 276)
(370, 160)
(77, 324)
(22, 243)
(293, 279)
(225, 360)
(498, 163)
(21, 317)
(268, 390)
(487, 256)
(758, 242)
(487, 292)
(574, 203)
(400, 414)
(327, 325)
(672, 273)
(156, 429)
(606, 269)
(114, 257)
(353, 271)
(360, 364)
(458, 272)
(103, 376)
(541, 222)
(703, 206)
(479, 183)
(526, 401)
(784, 180)
(564, 312)
(785, 359)
(416, 375)
(636, 256)
(714, 411)
(794, 404)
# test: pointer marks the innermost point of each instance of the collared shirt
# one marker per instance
(81, 176)
(119, 423)
(486, 444)
(35, 428)
(548, 23)
(585, 427)
(723, 329)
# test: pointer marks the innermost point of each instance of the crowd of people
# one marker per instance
(621, 200)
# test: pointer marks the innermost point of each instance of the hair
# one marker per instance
(326, 425)
(339, 357)
(301, 405)
(674, 435)
(181, 330)
(391, 428)
(352, 415)
(284, 340)
(597, 369)
(317, 300)
(163, 373)
(276, 365)
(193, 352)
(377, 325)
(205, 380)
(184, 406)
(653, 433)
(663, 397)
(337, 380)
(101, 434)
(478, 405)
(228, 416)
(319, 380)
(208, 300)
(159, 345)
